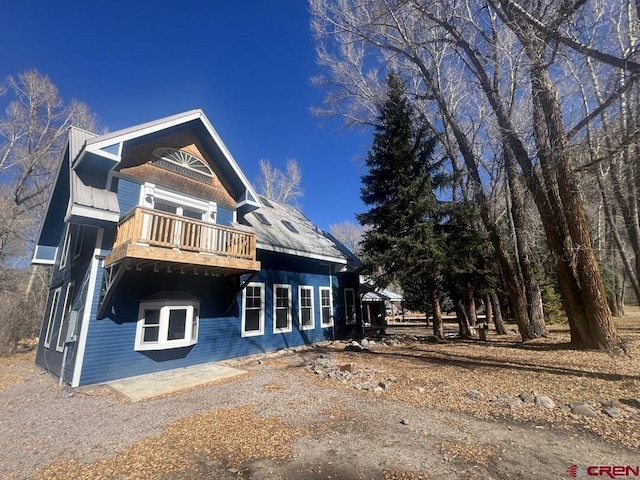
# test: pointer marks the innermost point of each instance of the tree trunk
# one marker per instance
(471, 307)
(531, 287)
(497, 314)
(438, 328)
(463, 320)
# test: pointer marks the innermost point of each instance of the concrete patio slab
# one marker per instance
(144, 387)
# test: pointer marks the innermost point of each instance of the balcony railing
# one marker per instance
(154, 235)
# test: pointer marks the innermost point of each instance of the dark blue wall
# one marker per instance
(75, 271)
(110, 353)
(128, 194)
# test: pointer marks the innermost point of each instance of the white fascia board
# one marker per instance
(122, 136)
(300, 253)
(230, 159)
(35, 261)
(89, 212)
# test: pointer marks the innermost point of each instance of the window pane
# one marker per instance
(177, 324)
(282, 318)
(326, 315)
(306, 317)
(152, 317)
(252, 320)
(150, 334)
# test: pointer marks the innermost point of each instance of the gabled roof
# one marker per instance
(282, 228)
(106, 150)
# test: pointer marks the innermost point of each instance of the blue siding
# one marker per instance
(76, 271)
(128, 195)
(225, 216)
(110, 350)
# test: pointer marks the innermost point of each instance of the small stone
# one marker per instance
(404, 421)
(473, 395)
(68, 395)
(378, 390)
(527, 397)
(543, 401)
(383, 385)
(347, 367)
(233, 471)
(632, 402)
(364, 342)
(611, 411)
(515, 403)
(499, 398)
(392, 378)
(420, 389)
(584, 410)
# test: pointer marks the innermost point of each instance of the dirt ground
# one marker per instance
(399, 408)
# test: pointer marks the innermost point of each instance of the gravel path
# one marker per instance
(348, 435)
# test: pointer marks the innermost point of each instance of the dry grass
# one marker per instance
(503, 365)
(232, 435)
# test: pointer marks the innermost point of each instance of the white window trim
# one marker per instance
(330, 324)
(289, 326)
(150, 192)
(253, 333)
(165, 307)
(355, 314)
(66, 310)
(64, 253)
(313, 312)
(55, 299)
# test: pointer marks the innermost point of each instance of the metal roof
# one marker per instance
(89, 201)
(309, 241)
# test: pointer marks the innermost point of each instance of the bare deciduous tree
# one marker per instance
(513, 60)
(284, 187)
(349, 233)
(32, 134)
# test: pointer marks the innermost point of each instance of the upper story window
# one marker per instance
(184, 163)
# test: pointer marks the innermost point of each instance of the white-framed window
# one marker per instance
(281, 308)
(52, 316)
(64, 320)
(65, 247)
(306, 315)
(326, 307)
(253, 310)
(166, 323)
(350, 305)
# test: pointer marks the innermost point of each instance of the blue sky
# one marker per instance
(247, 64)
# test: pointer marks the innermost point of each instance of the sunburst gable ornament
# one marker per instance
(181, 162)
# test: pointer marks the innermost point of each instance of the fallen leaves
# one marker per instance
(233, 435)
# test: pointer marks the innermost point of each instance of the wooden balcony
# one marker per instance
(151, 239)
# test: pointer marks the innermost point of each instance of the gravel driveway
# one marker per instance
(344, 434)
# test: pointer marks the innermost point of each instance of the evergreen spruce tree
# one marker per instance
(399, 242)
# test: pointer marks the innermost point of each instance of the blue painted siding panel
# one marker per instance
(128, 195)
(76, 271)
(225, 216)
(110, 350)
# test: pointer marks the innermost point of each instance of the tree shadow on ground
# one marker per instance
(482, 361)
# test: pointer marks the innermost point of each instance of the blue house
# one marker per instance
(164, 256)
